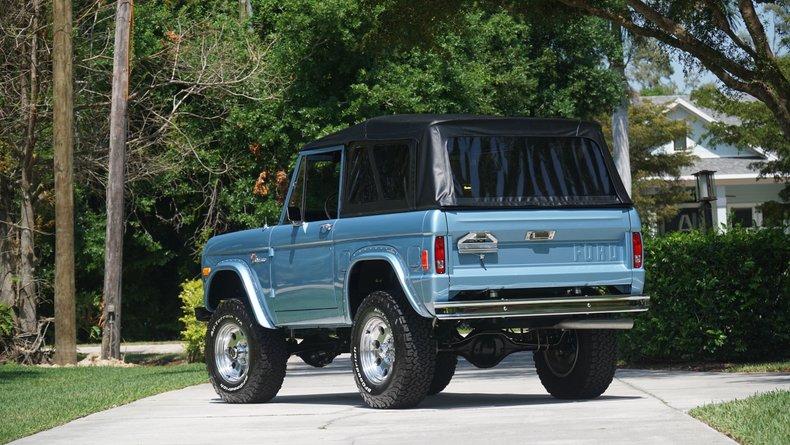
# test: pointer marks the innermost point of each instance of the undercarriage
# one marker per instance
(483, 343)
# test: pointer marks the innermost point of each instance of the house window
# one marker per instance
(743, 217)
(680, 143)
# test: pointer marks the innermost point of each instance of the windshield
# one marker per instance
(529, 171)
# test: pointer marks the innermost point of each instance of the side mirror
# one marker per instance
(295, 215)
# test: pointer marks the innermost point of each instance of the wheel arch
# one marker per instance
(234, 279)
(377, 269)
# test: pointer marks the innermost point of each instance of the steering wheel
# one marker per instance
(326, 205)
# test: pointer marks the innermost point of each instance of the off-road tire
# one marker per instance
(415, 352)
(267, 356)
(593, 371)
(443, 372)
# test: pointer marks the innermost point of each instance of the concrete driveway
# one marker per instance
(506, 404)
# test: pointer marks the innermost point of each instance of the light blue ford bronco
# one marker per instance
(410, 240)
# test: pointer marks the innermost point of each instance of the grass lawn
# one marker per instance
(33, 399)
(780, 366)
(775, 366)
(760, 419)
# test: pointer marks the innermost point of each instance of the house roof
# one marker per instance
(684, 100)
(725, 166)
(417, 126)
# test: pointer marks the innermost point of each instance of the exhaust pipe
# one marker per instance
(619, 323)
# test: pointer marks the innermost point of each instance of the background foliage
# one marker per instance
(219, 106)
(714, 296)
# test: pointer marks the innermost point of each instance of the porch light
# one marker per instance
(706, 185)
(706, 194)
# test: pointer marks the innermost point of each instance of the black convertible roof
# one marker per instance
(431, 183)
(417, 126)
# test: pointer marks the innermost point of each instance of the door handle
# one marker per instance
(326, 227)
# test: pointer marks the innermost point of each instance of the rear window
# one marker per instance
(529, 171)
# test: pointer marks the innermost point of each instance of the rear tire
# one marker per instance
(393, 352)
(246, 362)
(446, 363)
(583, 368)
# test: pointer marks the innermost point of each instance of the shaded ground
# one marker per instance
(506, 404)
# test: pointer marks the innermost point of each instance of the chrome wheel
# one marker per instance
(561, 360)
(377, 350)
(231, 354)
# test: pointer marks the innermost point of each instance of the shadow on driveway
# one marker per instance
(440, 401)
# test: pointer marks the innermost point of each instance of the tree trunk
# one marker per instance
(63, 140)
(113, 251)
(7, 246)
(26, 293)
(620, 147)
(245, 9)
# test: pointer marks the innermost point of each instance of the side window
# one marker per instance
(322, 183)
(392, 168)
(361, 183)
(378, 179)
(316, 188)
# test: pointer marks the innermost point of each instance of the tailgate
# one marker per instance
(568, 248)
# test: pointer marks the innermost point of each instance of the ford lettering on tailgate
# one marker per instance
(596, 252)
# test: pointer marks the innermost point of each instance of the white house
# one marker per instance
(739, 189)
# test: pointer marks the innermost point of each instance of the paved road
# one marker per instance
(506, 404)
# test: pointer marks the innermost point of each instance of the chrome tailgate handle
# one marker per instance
(477, 243)
(540, 235)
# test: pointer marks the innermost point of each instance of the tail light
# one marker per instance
(636, 242)
(438, 254)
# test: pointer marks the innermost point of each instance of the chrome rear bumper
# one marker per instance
(541, 307)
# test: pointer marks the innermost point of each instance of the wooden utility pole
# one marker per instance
(620, 149)
(63, 144)
(113, 249)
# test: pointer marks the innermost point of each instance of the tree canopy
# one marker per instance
(728, 38)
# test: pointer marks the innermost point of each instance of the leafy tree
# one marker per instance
(757, 129)
(727, 38)
(656, 188)
(650, 67)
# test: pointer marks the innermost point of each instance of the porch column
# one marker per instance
(720, 215)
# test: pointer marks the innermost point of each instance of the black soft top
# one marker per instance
(418, 126)
(431, 183)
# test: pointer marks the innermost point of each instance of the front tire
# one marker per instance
(581, 367)
(246, 362)
(393, 352)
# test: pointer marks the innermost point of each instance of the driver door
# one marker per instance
(303, 262)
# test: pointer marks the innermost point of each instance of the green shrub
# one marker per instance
(715, 297)
(6, 330)
(194, 332)
(6, 321)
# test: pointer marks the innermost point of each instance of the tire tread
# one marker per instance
(594, 371)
